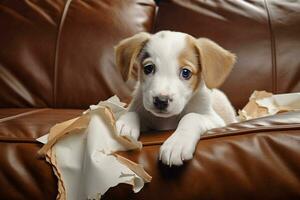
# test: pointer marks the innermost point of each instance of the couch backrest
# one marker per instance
(60, 53)
(264, 34)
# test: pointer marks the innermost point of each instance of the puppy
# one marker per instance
(176, 74)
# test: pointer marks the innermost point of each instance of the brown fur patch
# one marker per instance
(127, 52)
(189, 59)
(216, 62)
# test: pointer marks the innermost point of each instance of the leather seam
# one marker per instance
(58, 37)
(18, 140)
(22, 114)
(205, 137)
(236, 133)
(273, 50)
(154, 18)
(295, 126)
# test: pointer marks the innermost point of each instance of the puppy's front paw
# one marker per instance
(128, 125)
(176, 149)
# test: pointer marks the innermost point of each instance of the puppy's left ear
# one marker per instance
(127, 51)
(216, 62)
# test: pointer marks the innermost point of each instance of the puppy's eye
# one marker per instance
(185, 73)
(149, 68)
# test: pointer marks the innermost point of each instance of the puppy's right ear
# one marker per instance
(127, 51)
(216, 62)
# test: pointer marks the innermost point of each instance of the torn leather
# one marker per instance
(82, 154)
(262, 103)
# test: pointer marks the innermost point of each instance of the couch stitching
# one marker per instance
(61, 23)
(273, 50)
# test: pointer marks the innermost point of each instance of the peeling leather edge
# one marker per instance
(51, 159)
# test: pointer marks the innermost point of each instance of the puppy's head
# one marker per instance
(170, 66)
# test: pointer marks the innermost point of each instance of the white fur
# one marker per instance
(191, 113)
(165, 81)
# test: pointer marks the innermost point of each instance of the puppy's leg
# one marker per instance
(223, 107)
(181, 144)
(129, 125)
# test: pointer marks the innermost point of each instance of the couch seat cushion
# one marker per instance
(241, 161)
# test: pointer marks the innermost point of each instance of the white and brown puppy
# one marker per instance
(176, 77)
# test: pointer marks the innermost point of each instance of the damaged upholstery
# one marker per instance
(57, 58)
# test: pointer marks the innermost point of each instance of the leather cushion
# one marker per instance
(241, 161)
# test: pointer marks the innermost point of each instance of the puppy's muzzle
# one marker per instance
(161, 102)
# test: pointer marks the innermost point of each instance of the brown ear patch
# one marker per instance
(216, 62)
(126, 53)
(189, 59)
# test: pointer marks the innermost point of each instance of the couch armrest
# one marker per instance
(256, 159)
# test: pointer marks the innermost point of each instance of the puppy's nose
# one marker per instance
(161, 102)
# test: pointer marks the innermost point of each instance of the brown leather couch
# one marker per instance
(56, 58)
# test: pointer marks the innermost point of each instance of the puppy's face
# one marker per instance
(169, 73)
(170, 66)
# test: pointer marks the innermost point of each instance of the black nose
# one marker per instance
(161, 102)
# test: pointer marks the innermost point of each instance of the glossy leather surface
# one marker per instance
(57, 56)
(240, 161)
(265, 36)
(60, 53)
